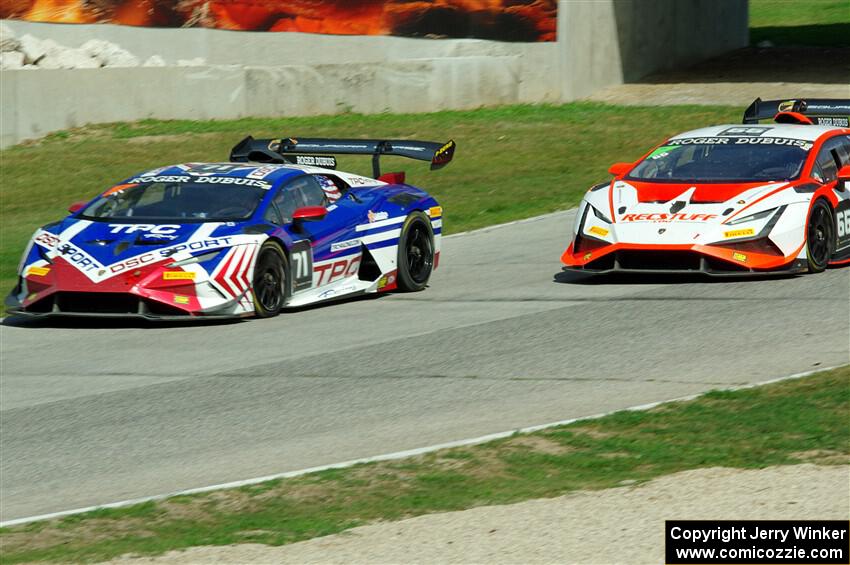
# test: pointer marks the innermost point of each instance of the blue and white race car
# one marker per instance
(275, 227)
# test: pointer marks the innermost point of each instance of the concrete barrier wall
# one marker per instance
(37, 102)
(607, 42)
(601, 43)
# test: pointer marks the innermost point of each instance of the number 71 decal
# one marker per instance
(301, 258)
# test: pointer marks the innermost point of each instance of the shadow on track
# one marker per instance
(105, 323)
(94, 323)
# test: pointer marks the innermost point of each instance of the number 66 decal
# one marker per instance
(843, 221)
(301, 259)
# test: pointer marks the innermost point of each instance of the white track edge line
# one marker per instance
(397, 454)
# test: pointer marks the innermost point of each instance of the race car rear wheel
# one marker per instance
(270, 280)
(415, 253)
(820, 236)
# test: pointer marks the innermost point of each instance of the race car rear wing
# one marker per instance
(302, 150)
(821, 111)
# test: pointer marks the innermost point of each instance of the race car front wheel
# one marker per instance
(270, 274)
(415, 253)
(820, 236)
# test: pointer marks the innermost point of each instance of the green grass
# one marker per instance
(804, 420)
(511, 162)
(820, 23)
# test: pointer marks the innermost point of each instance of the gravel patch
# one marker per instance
(621, 525)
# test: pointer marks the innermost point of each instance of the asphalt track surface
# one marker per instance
(96, 412)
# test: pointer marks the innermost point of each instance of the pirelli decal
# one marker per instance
(178, 276)
(739, 233)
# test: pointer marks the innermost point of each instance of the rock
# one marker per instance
(51, 49)
(97, 48)
(109, 54)
(766, 44)
(154, 61)
(8, 41)
(196, 62)
(68, 59)
(49, 61)
(78, 59)
(51, 46)
(94, 53)
(32, 48)
(10, 60)
(122, 59)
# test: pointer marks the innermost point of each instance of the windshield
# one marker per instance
(724, 159)
(183, 201)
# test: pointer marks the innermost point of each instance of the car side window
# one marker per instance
(310, 192)
(842, 151)
(303, 191)
(832, 156)
(282, 206)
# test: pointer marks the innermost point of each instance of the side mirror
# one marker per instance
(619, 169)
(77, 206)
(307, 214)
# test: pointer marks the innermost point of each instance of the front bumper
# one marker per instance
(680, 259)
(153, 292)
(104, 305)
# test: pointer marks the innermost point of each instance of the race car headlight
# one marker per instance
(196, 259)
(583, 242)
(600, 215)
(43, 254)
(752, 217)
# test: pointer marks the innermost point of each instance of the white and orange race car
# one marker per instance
(727, 200)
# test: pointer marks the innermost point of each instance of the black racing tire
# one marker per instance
(415, 253)
(820, 236)
(271, 280)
